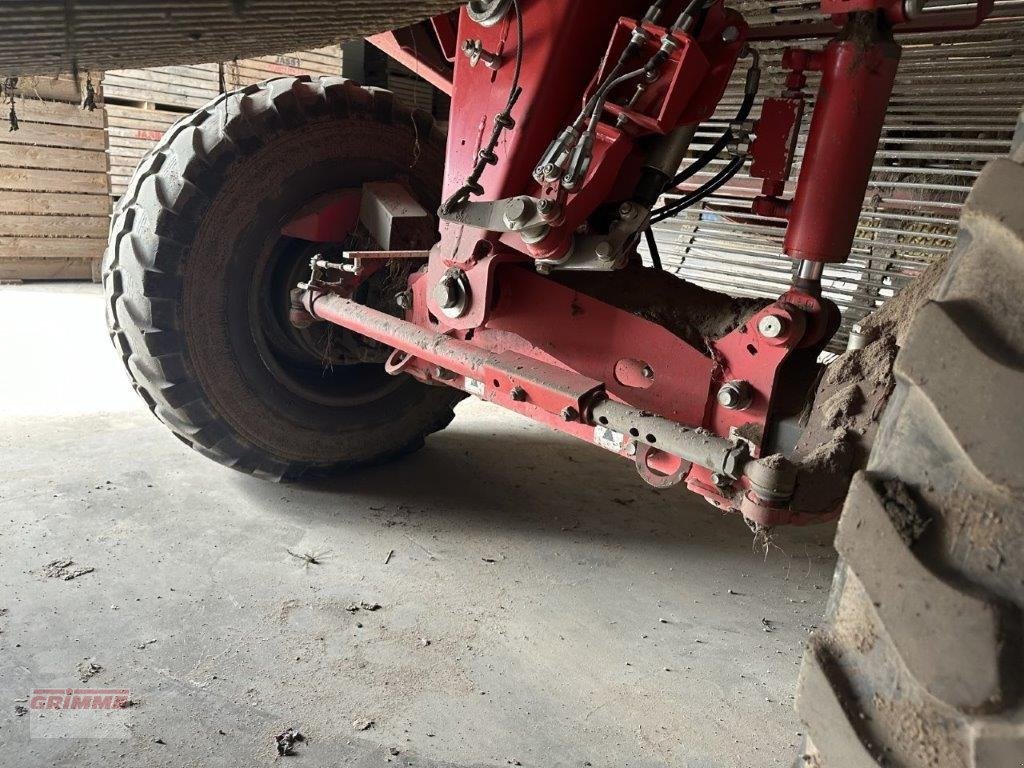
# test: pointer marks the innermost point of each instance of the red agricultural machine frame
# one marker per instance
(569, 120)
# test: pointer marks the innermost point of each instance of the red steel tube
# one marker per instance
(459, 356)
(858, 72)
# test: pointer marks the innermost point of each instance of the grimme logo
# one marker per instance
(78, 698)
(79, 713)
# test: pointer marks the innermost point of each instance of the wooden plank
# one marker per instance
(54, 203)
(57, 88)
(45, 134)
(199, 81)
(124, 166)
(54, 226)
(35, 111)
(160, 93)
(47, 269)
(144, 140)
(322, 62)
(156, 97)
(24, 156)
(119, 115)
(159, 88)
(35, 180)
(252, 71)
(51, 248)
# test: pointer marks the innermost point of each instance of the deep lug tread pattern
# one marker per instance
(922, 657)
(150, 234)
(910, 601)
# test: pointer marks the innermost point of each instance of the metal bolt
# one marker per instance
(859, 338)
(447, 292)
(771, 326)
(730, 34)
(720, 480)
(734, 395)
(550, 172)
(516, 210)
(546, 205)
(518, 394)
(474, 49)
(627, 211)
(647, 373)
(603, 250)
(443, 374)
(569, 413)
(404, 300)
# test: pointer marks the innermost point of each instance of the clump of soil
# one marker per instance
(65, 569)
(920, 733)
(841, 424)
(692, 313)
(88, 669)
(854, 625)
(851, 397)
(909, 520)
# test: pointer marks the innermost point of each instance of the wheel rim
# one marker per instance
(319, 364)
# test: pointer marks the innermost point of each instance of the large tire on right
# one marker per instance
(921, 664)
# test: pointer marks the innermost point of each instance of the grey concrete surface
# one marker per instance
(538, 604)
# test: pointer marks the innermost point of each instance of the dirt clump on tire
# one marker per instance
(851, 396)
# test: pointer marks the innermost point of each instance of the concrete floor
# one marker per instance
(541, 606)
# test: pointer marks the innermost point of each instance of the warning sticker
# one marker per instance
(608, 438)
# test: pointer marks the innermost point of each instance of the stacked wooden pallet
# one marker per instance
(131, 132)
(143, 104)
(316, 63)
(54, 202)
(164, 87)
(59, 170)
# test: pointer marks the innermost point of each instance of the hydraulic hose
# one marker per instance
(707, 188)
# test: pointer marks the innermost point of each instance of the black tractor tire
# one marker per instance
(191, 241)
(921, 662)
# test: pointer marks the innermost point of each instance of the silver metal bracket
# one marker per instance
(526, 216)
(603, 252)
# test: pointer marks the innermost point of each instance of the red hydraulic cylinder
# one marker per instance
(858, 70)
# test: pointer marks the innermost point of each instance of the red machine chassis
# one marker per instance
(483, 316)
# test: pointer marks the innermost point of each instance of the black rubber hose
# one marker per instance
(652, 246)
(707, 188)
(715, 149)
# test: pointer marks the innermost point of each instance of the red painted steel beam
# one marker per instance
(409, 56)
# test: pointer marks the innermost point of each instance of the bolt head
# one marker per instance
(447, 292)
(516, 209)
(734, 395)
(730, 34)
(771, 326)
(404, 300)
(647, 372)
(627, 211)
(569, 413)
(518, 394)
(603, 250)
